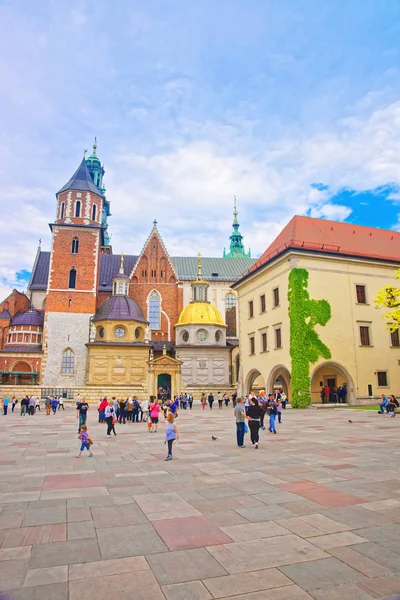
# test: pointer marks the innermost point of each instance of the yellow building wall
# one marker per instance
(111, 365)
(334, 279)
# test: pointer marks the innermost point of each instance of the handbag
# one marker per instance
(246, 428)
(90, 442)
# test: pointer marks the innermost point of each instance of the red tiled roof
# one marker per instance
(333, 237)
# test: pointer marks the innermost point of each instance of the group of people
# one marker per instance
(221, 398)
(388, 405)
(333, 394)
(254, 410)
(31, 404)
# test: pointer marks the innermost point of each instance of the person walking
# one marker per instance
(171, 433)
(240, 415)
(14, 403)
(5, 405)
(145, 410)
(86, 442)
(37, 403)
(24, 405)
(32, 403)
(190, 400)
(154, 409)
(129, 409)
(81, 413)
(122, 413)
(210, 400)
(47, 405)
(226, 399)
(110, 418)
(273, 411)
(60, 403)
(54, 405)
(284, 400)
(220, 399)
(135, 410)
(203, 401)
(254, 416)
(102, 408)
(279, 410)
(343, 393)
(262, 404)
(234, 397)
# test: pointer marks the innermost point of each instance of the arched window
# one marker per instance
(75, 245)
(78, 208)
(154, 310)
(62, 209)
(68, 361)
(230, 315)
(94, 209)
(72, 279)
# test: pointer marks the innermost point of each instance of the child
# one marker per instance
(85, 441)
(171, 433)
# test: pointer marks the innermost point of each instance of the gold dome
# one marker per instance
(200, 313)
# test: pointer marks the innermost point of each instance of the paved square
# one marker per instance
(313, 513)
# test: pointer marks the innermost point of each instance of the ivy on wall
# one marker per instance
(305, 345)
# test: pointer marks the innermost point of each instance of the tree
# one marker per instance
(305, 345)
(389, 297)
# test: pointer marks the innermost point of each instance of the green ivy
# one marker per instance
(305, 345)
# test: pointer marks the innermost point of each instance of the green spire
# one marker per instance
(236, 249)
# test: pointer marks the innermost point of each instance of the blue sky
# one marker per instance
(292, 106)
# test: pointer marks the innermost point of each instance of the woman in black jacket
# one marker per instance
(254, 414)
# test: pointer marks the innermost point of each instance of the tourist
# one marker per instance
(219, 397)
(226, 399)
(393, 404)
(210, 400)
(327, 393)
(203, 401)
(122, 414)
(25, 405)
(284, 399)
(116, 407)
(129, 408)
(54, 405)
(149, 423)
(279, 410)
(240, 415)
(5, 405)
(190, 400)
(47, 405)
(14, 403)
(60, 403)
(110, 418)
(154, 409)
(171, 433)
(262, 404)
(254, 417)
(273, 411)
(81, 413)
(343, 393)
(32, 403)
(145, 410)
(384, 404)
(102, 408)
(78, 399)
(37, 403)
(135, 410)
(86, 442)
(234, 397)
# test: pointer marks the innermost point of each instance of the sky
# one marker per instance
(292, 106)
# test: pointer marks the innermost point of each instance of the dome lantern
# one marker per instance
(120, 282)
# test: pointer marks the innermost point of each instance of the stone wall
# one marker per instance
(62, 331)
(205, 366)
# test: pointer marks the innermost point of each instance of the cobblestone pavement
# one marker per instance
(313, 513)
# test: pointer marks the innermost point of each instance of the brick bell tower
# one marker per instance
(78, 233)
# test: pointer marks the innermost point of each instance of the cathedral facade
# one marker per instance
(92, 320)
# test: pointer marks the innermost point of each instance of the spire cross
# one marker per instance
(121, 265)
(155, 223)
(199, 266)
(95, 146)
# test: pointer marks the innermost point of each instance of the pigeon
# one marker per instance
(350, 421)
(213, 438)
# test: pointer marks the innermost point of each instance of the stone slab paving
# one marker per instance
(314, 513)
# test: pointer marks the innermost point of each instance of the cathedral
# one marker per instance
(96, 322)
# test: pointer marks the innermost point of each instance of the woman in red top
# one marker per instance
(101, 409)
(154, 410)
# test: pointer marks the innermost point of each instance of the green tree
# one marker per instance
(389, 297)
(305, 345)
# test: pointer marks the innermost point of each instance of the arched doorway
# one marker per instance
(254, 382)
(21, 372)
(331, 374)
(164, 386)
(279, 377)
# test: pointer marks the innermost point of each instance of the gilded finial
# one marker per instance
(95, 146)
(199, 266)
(121, 265)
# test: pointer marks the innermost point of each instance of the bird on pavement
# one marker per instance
(213, 438)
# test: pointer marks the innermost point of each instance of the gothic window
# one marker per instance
(72, 279)
(78, 208)
(75, 245)
(68, 361)
(230, 315)
(94, 209)
(154, 310)
(62, 208)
